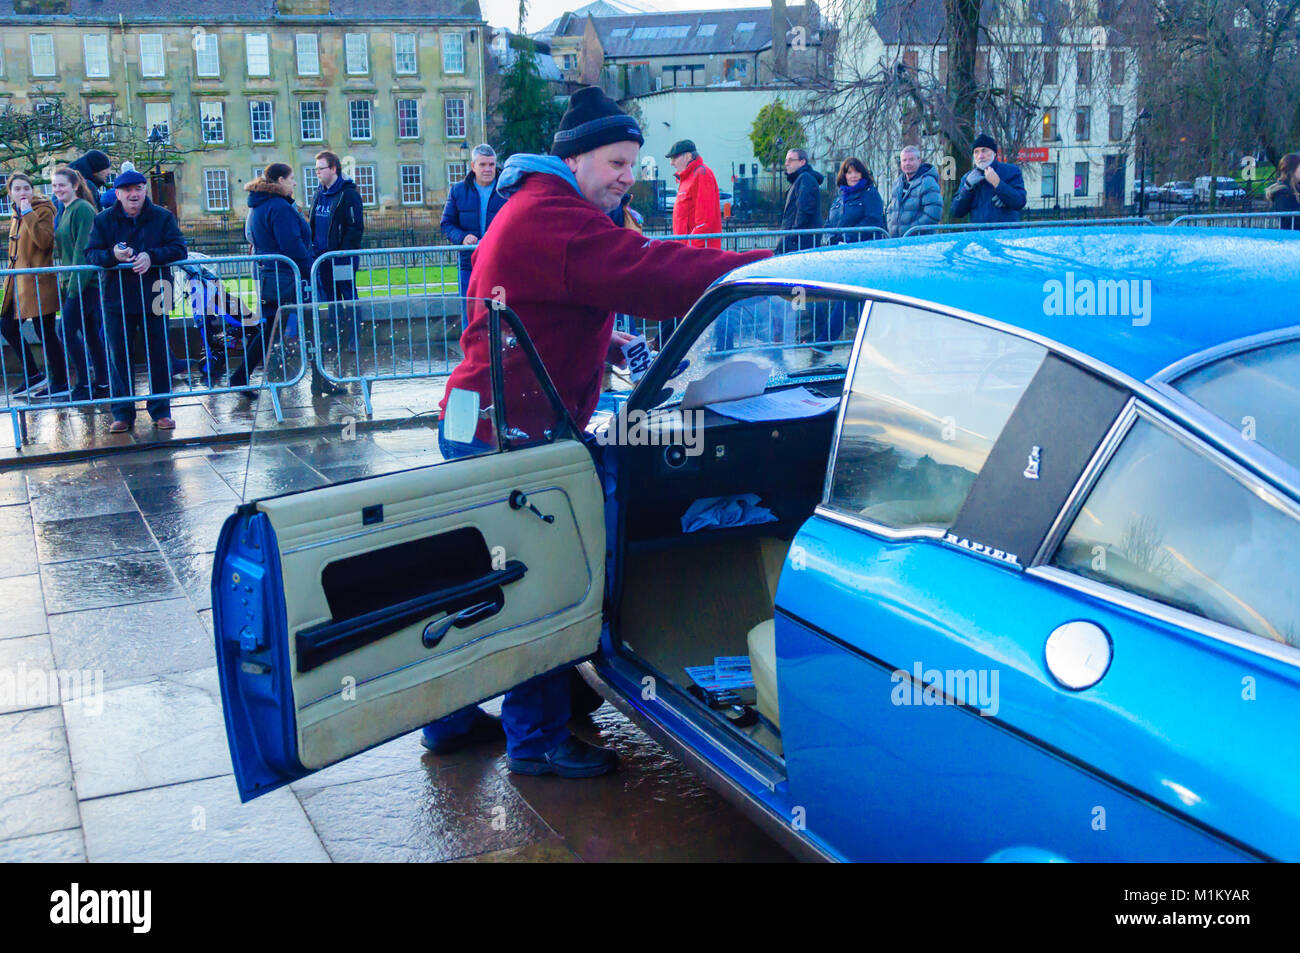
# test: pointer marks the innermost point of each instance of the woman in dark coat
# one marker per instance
(1285, 192)
(276, 228)
(859, 203)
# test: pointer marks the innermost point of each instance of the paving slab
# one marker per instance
(18, 552)
(651, 809)
(192, 530)
(23, 605)
(463, 810)
(20, 660)
(131, 643)
(201, 821)
(113, 581)
(166, 730)
(90, 537)
(36, 793)
(57, 847)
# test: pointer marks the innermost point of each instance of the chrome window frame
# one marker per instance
(1221, 350)
(1134, 412)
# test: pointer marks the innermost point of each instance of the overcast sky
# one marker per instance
(541, 12)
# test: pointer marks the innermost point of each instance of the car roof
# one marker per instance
(1207, 286)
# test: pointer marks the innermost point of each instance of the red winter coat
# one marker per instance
(696, 210)
(564, 268)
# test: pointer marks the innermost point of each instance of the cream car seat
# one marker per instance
(762, 637)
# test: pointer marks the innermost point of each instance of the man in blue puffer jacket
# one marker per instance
(471, 206)
(991, 191)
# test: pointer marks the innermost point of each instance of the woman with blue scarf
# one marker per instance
(859, 203)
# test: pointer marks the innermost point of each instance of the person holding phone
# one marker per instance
(144, 237)
(33, 298)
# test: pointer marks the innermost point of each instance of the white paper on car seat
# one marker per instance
(779, 405)
(731, 381)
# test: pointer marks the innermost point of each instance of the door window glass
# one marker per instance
(1256, 391)
(1166, 522)
(794, 337)
(929, 397)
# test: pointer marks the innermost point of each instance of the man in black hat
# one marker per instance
(136, 300)
(991, 191)
(94, 166)
(696, 211)
(559, 261)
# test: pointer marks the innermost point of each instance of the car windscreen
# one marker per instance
(1256, 391)
(786, 338)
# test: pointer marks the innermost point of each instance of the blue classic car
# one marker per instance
(1007, 524)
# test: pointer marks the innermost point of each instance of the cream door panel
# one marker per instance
(550, 616)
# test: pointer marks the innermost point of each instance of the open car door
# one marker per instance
(357, 611)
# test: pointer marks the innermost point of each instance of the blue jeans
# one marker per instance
(83, 336)
(121, 330)
(533, 714)
(338, 294)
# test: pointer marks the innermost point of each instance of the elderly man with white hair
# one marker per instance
(918, 197)
(471, 206)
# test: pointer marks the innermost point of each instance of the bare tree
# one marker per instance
(1221, 79)
(937, 73)
(44, 133)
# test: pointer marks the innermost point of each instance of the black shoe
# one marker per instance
(323, 388)
(571, 758)
(80, 393)
(22, 390)
(101, 390)
(484, 729)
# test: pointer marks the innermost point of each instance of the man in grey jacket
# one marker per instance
(918, 197)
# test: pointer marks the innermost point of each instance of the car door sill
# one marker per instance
(773, 824)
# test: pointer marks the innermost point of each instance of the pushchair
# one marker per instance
(221, 333)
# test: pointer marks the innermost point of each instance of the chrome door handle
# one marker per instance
(435, 632)
(1078, 654)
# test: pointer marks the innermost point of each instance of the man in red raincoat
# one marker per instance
(697, 210)
(555, 257)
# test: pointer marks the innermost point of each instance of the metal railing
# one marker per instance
(203, 315)
(1285, 221)
(1055, 223)
(368, 315)
(384, 314)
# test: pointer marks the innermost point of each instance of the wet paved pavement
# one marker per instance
(104, 567)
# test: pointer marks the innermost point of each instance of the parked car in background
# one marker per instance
(1228, 190)
(1181, 191)
(1152, 192)
(1010, 584)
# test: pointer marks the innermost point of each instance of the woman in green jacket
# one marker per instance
(82, 319)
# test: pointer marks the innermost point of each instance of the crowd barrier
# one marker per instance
(1054, 223)
(1282, 220)
(100, 331)
(365, 316)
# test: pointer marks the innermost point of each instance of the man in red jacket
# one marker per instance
(555, 257)
(697, 210)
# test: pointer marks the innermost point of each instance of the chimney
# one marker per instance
(780, 26)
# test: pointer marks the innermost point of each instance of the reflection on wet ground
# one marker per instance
(104, 575)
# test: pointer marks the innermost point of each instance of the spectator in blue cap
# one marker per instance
(134, 231)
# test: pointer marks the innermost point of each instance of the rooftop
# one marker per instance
(1207, 286)
(203, 11)
(683, 32)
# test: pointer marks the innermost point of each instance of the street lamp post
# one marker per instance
(1140, 127)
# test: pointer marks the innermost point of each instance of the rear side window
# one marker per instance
(1169, 523)
(1257, 392)
(930, 394)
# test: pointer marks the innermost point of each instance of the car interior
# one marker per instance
(697, 591)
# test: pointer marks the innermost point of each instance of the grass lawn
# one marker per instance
(386, 282)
